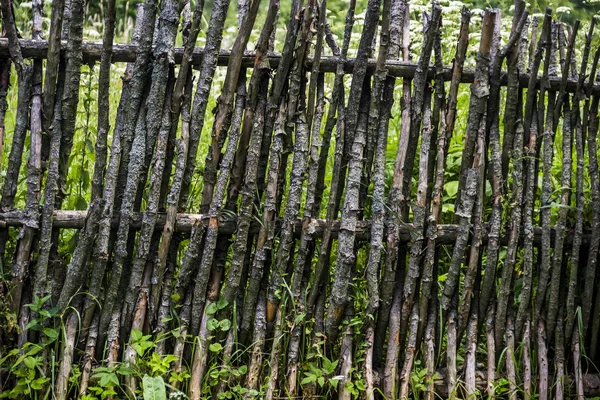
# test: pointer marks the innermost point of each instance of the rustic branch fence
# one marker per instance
(254, 285)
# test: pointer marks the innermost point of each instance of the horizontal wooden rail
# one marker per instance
(71, 219)
(127, 53)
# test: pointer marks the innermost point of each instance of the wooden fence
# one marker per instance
(314, 266)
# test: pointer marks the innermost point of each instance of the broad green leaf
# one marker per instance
(125, 371)
(451, 188)
(136, 335)
(154, 388)
(308, 379)
(29, 362)
(169, 358)
(51, 334)
(108, 379)
(212, 324)
(225, 325)
(211, 309)
(222, 303)
(215, 347)
(39, 383)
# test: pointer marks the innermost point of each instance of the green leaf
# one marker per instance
(39, 383)
(136, 335)
(329, 366)
(308, 379)
(138, 349)
(315, 370)
(169, 358)
(360, 385)
(212, 324)
(451, 188)
(222, 303)
(215, 347)
(334, 382)
(211, 309)
(125, 371)
(225, 325)
(81, 204)
(108, 379)
(33, 325)
(299, 318)
(154, 388)
(29, 362)
(156, 358)
(51, 334)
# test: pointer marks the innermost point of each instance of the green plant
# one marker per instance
(28, 365)
(419, 379)
(321, 375)
(154, 388)
(106, 382)
(152, 369)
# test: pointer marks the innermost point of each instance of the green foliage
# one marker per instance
(154, 388)
(27, 364)
(153, 370)
(107, 382)
(502, 386)
(140, 342)
(321, 375)
(225, 373)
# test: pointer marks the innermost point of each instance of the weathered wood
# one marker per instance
(446, 233)
(170, 244)
(92, 52)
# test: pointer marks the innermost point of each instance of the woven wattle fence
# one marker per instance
(317, 264)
